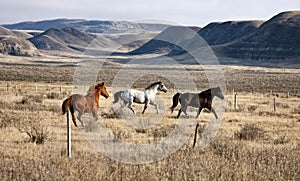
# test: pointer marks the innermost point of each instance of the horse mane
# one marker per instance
(209, 91)
(91, 90)
(153, 84)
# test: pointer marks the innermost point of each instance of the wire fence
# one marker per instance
(261, 103)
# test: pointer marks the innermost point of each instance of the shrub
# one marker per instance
(53, 95)
(252, 108)
(6, 121)
(37, 134)
(31, 98)
(250, 132)
(281, 140)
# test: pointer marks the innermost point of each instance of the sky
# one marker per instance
(187, 12)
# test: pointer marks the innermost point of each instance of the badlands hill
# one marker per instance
(212, 34)
(276, 39)
(15, 43)
(241, 42)
(72, 40)
(64, 39)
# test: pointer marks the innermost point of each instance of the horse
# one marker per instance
(145, 96)
(85, 104)
(198, 100)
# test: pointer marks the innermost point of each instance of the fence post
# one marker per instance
(7, 87)
(271, 93)
(195, 136)
(68, 134)
(234, 101)
(274, 104)
(35, 87)
(60, 90)
(288, 94)
(17, 92)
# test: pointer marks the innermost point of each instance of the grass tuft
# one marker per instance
(250, 132)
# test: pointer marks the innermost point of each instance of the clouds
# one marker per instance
(188, 12)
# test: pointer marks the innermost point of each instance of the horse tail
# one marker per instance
(66, 105)
(175, 101)
(117, 96)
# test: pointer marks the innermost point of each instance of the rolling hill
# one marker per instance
(276, 39)
(72, 40)
(15, 43)
(213, 34)
(219, 33)
(92, 26)
(64, 39)
(163, 43)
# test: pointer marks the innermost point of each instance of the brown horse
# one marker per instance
(199, 100)
(85, 104)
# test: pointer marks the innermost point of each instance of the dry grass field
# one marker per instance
(253, 143)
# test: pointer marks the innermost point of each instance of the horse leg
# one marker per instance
(73, 118)
(79, 116)
(131, 109)
(179, 113)
(214, 112)
(184, 110)
(145, 107)
(199, 111)
(95, 114)
(130, 103)
(156, 106)
(72, 110)
(123, 104)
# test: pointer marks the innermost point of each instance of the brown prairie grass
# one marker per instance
(252, 144)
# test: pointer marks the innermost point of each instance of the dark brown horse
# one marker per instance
(85, 104)
(198, 100)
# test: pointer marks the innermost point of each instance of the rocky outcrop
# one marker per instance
(15, 43)
(17, 46)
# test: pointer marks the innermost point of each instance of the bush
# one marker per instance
(53, 95)
(7, 121)
(250, 132)
(252, 108)
(37, 134)
(31, 98)
(281, 140)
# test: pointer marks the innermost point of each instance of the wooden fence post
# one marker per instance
(68, 135)
(7, 87)
(60, 90)
(35, 87)
(234, 102)
(195, 136)
(274, 104)
(17, 92)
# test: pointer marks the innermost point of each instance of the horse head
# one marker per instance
(217, 92)
(162, 87)
(102, 89)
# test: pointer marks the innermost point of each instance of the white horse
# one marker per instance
(146, 96)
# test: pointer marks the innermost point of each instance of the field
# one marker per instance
(254, 142)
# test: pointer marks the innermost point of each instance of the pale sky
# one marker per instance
(187, 12)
